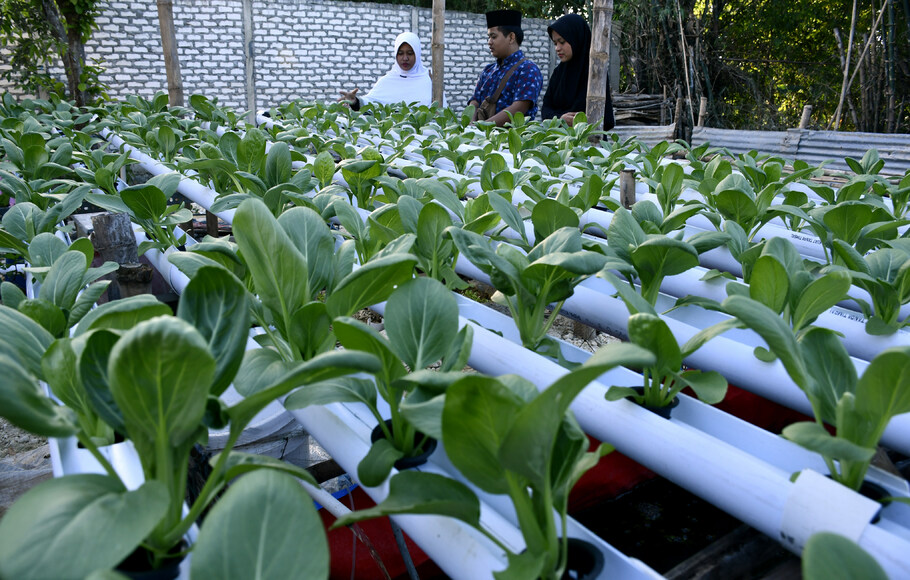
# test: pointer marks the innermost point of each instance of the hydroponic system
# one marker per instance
(463, 420)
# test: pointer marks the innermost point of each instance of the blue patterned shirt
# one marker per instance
(524, 84)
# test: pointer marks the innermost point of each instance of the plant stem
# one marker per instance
(88, 444)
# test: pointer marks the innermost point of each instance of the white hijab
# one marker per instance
(398, 85)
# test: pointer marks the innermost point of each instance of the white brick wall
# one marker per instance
(303, 49)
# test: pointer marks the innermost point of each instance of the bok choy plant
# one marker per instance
(504, 437)
(858, 408)
(529, 283)
(421, 321)
(157, 381)
(651, 257)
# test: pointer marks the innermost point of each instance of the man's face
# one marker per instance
(500, 44)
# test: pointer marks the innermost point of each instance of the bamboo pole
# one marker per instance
(169, 46)
(249, 63)
(849, 82)
(438, 50)
(598, 75)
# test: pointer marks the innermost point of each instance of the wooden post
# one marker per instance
(249, 65)
(678, 118)
(438, 49)
(804, 121)
(211, 224)
(702, 112)
(627, 188)
(114, 241)
(598, 75)
(169, 46)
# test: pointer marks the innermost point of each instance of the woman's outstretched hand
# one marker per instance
(349, 97)
(569, 118)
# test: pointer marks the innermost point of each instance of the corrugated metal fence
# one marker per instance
(814, 147)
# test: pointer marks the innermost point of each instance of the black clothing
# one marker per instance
(568, 88)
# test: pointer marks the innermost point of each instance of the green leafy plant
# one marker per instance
(529, 283)
(885, 275)
(291, 262)
(158, 381)
(818, 362)
(421, 321)
(506, 438)
(663, 380)
(68, 287)
(650, 258)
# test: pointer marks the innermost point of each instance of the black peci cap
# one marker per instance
(504, 18)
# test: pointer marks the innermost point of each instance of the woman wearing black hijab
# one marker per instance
(568, 89)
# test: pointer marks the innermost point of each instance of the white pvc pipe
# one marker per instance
(732, 359)
(191, 189)
(737, 483)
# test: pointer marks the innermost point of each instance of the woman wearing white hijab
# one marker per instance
(408, 81)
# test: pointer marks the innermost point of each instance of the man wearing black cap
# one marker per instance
(513, 82)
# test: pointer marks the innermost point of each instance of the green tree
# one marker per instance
(38, 32)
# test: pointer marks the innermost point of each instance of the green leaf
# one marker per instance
(79, 515)
(24, 404)
(415, 492)
(251, 150)
(313, 239)
(478, 413)
(277, 267)
(45, 313)
(215, 303)
(769, 283)
(94, 350)
(310, 331)
(421, 320)
(652, 333)
(324, 168)
(146, 202)
(710, 387)
(278, 165)
(814, 437)
(831, 370)
(884, 389)
(549, 215)
(11, 295)
(340, 390)
(160, 373)
(829, 556)
(247, 531)
(509, 214)
(370, 284)
(819, 296)
(64, 280)
(376, 466)
(773, 330)
(23, 339)
(321, 367)
(123, 314)
(261, 368)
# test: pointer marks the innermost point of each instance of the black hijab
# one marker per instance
(568, 87)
